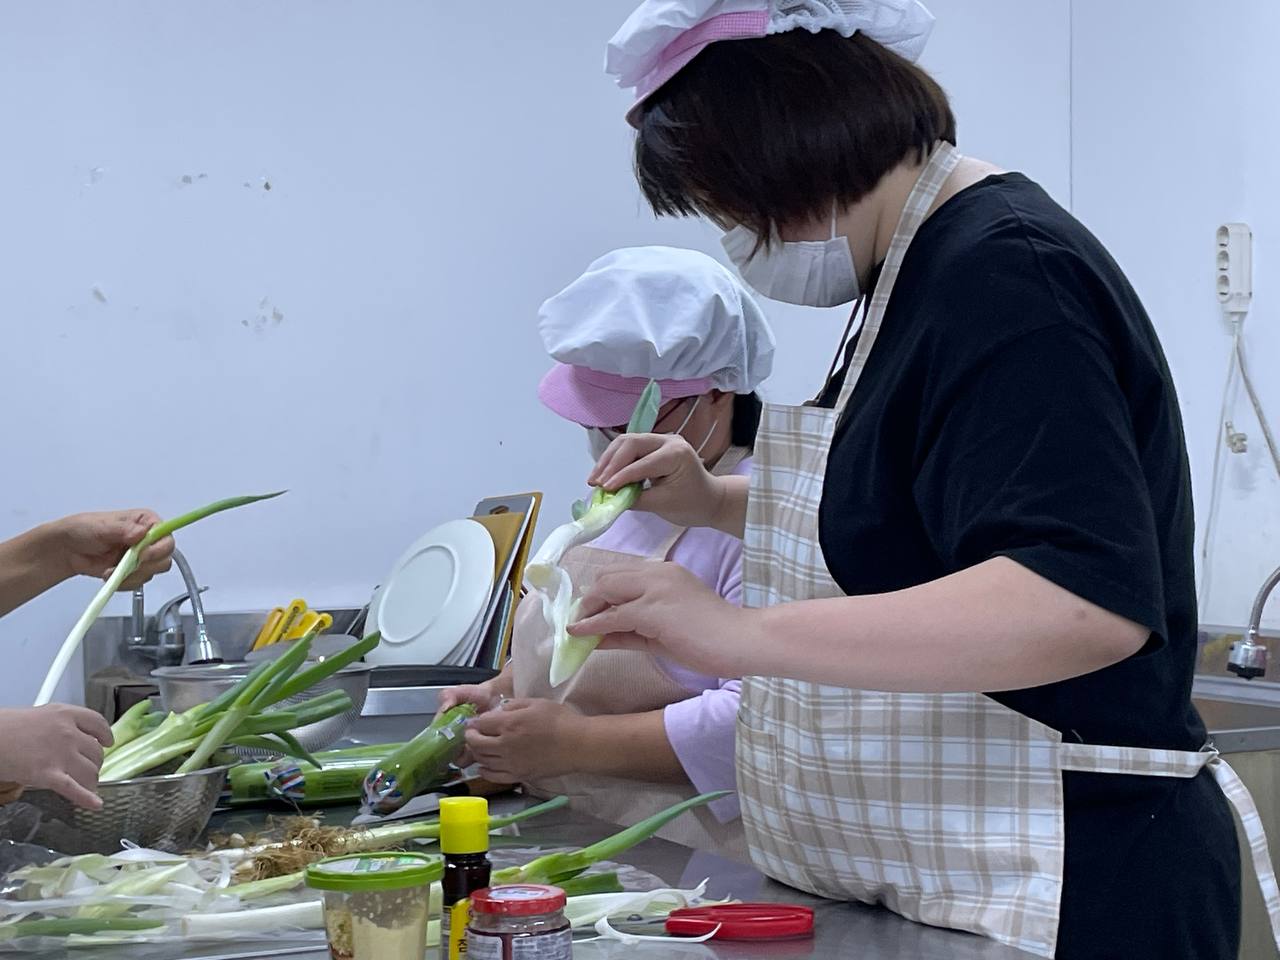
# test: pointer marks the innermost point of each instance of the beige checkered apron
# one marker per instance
(612, 682)
(946, 808)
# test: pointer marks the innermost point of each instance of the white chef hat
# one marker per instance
(650, 313)
(661, 36)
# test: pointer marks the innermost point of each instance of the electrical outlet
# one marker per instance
(1233, 263)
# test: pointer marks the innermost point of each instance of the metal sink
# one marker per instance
(1241, 715)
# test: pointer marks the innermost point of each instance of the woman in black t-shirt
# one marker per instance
(986, 516)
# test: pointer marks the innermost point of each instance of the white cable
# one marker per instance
(1215, 486)
(1253, 399)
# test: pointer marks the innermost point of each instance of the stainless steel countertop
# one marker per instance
(841, 930)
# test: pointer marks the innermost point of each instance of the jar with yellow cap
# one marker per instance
(464, 841)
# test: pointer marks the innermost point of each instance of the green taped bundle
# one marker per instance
(421, 763)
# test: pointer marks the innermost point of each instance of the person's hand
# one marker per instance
(93, 544)
(665, 610)
(525, 740)
(681, 489)
(55, 747)
(482, 696)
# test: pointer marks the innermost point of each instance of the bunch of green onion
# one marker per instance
(241, 716)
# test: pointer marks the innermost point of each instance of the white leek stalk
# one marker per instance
(308, 915)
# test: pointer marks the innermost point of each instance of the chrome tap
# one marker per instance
(1249, 656)
(161, 639)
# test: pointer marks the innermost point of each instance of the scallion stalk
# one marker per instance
(244, 704)
(555, 867)
(324, 669)
(74, 926)
(127, 565)
(128, 726)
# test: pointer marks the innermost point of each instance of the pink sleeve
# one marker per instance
(701, 731)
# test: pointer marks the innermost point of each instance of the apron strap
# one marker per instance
(1136, 761)
(1092, 758)
(1238, 794)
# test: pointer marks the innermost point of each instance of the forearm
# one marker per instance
(632, 745)
(996, 626)
(30, 564)
(731, 516)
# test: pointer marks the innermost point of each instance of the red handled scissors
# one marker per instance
(742, 921)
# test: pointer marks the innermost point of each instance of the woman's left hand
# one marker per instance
(665, 610)
(525, 740)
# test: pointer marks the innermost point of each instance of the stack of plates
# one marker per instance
(449, 598)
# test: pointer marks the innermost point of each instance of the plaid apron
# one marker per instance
(946, 808)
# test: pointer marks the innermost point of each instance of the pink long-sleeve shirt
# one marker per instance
(701, 727)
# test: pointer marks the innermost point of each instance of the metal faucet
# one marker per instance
(1249, 656)
(161, 638)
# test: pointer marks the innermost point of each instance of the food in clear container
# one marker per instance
(519, 921)
(377, 906)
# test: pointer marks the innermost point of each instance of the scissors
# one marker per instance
(742, 921)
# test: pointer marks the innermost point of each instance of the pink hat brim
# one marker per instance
(680, 51)
(594, 399)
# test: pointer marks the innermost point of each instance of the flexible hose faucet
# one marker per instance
(1249, 656)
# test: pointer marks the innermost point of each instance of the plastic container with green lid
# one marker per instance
(377, 905)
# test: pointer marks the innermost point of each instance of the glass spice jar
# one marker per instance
(521, 921)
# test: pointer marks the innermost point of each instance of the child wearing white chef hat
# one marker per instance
(635, 315)
(652, 313)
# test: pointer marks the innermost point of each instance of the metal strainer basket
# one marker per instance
(184, 687)
(166, 812)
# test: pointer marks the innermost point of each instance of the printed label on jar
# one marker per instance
(453, 929)
(547, 946)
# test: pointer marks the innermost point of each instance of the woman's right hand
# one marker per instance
(55, 747)
(681, 489)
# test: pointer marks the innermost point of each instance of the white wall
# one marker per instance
(363, 332)
(1174, 133)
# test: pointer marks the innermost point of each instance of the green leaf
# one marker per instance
(645, 414)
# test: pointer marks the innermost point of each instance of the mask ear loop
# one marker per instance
(688, 416)
(861, 306)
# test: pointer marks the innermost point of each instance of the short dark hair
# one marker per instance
(746, 420)
(770, 131)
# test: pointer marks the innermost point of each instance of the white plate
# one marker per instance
(433, 594)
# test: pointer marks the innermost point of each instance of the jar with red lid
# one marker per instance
(519, 921)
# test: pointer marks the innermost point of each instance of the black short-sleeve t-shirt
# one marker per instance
(1017, 404)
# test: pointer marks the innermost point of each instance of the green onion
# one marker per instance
(249, 698)
(591, 883)
(326, 668)
(556, 867)
(129, 726)
(367, 839)
(74, 926)
(127, 565)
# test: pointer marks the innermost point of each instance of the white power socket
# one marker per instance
(1233, 260)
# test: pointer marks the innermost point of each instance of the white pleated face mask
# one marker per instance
(809, 273)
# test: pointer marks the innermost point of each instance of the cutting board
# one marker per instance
(504, 529)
